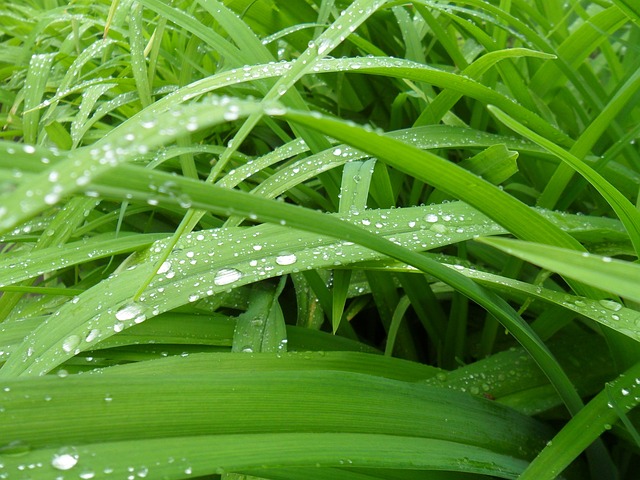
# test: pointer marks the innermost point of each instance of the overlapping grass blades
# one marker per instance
(225, 252)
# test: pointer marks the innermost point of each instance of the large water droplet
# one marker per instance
(70, 343)
(65, 459)
(431, 218)
(165, 267)
(610, 305)
(227, 276)
(129, 312)
(289, 259)
(92, 335)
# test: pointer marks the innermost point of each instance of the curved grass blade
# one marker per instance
(240, 402)
(596, 417)
(206, 196)
(37, 262)
(506, 210)
(563, 174)
(121, 145)
(616, 276)
(323, 454)
(628, 214)
(210, 262)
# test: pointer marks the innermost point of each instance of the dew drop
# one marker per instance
(324, 46)
(92, 335)
(128, 312)
(431, 218)
(64, 460)
(227, 276)
(275, 110)
(51, 198)
(70, 343)
(165, 267)
(286, 259)
(610, 305)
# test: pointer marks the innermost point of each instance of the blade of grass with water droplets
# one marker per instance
(354, 16)
(616, 276)
(213, 198)
(242, 402)
(594, 419)
(37, 262)
(35, 83)
(121, 145)
(241, 256)
(450, 178)
(628, 214)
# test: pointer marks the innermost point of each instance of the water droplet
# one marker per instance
(64, 459)
(227, 276)
(129, 312)
(324, 46)
(286, 259)
(92, 335)
(165, 267)
(431, 218)
(610, 305)
(71, 343)
(51, 198)
(275, 110)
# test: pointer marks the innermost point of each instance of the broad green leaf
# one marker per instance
(242, 403)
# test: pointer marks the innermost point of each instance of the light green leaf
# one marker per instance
(616, 276)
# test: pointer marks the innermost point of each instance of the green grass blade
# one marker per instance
(628, 214)
(616, 276)
(588, 139)
(37, 262)
(35, 84)
(208, 197)
(631, 9)
(206, 455)
(597, 417)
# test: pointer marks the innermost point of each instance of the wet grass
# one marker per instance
(325, 239)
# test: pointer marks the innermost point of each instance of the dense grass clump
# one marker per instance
(319, 239)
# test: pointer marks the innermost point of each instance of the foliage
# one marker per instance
(258, 238)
